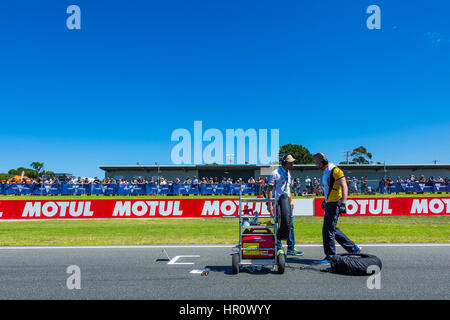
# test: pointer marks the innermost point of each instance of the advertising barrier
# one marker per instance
(416, 187)
(206, 208)
(127, 189)
(136, 208)
(407, 206)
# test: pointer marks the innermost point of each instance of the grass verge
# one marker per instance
(214, 231)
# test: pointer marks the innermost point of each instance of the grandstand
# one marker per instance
(220, 179)
(373, 172)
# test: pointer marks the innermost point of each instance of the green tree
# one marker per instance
(30, 173)
(300, 153)
(361, 155)
(38, 166)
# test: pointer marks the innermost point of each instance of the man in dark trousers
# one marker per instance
(282, 178)
(335, 191)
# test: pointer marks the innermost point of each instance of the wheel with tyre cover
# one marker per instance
(355, 264)
(284, 217)
(235, 263)
(281, 263)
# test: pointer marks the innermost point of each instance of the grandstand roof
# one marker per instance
(412, 167)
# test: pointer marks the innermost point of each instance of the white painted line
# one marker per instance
(306, 245)
(197, 271)
(175, 259)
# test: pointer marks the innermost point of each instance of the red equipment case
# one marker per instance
(263, 240)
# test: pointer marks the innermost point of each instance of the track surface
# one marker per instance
(132, 272)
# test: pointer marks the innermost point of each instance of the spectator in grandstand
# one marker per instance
(364, 185)
(296, 186)
(316, 186)
(259, 186)
(354, 185)
(308, 185)
(389, 181)
(381, 185)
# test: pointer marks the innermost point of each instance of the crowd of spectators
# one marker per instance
(389, 181)
(309, 186)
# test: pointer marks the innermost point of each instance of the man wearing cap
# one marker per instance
(282, 177)
(335, 191)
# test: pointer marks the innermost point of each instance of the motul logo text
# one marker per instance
(53, 209)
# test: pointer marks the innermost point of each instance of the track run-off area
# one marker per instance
(173, 272)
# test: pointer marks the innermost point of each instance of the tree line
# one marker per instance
(35, 172)
(302, 155)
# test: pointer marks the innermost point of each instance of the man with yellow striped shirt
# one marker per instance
(335, 191)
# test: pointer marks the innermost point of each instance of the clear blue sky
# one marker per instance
(113, 92)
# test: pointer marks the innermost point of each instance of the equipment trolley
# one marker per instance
(257, 240)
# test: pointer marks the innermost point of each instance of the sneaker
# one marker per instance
(280, 251)
(324, 261)
(294, 252)
(357, 249)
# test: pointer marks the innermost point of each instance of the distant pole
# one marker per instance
(157, 184)
(435, 161)
(230, 158)
(42, 179)
(347, 152)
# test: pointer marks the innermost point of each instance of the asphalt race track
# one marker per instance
(410, 271)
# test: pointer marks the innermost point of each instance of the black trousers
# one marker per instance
(330, 232)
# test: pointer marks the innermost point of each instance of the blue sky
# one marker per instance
(114, 91)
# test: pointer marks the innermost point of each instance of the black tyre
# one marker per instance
(284, 217)
(235, 263)
(355, 264)
(281, 263)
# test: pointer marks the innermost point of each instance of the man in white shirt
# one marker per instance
(282, 177)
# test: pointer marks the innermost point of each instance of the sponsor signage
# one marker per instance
(123, 208)
(207, 208)
(393, 206)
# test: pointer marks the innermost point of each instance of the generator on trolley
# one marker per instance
(258, 235)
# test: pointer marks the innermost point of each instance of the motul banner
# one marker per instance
(203, 208)
(392, 206)
(137, 208)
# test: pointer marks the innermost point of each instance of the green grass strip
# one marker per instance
(213, 231)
